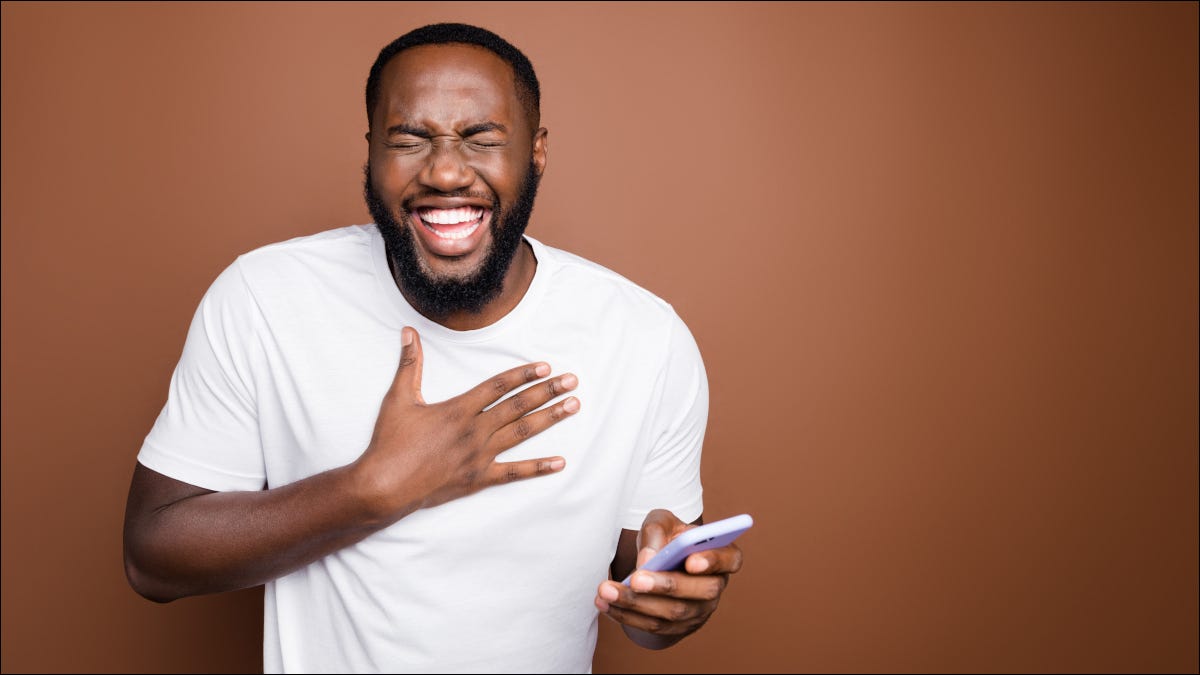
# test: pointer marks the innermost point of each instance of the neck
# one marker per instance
(516, 282)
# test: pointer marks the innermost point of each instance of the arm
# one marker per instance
(183, 540)
(658, 609)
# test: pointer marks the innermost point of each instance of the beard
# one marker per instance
(441, 297)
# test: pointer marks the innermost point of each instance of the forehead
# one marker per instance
(446, 84)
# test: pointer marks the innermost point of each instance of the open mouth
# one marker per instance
(452, 224)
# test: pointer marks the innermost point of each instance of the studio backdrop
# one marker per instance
(940, 260)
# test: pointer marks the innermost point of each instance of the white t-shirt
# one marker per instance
(285, 365)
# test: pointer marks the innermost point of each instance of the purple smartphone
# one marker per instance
(701, 538)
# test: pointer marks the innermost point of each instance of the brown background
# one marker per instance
(941, 261)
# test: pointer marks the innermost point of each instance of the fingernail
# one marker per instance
(642, 582)
(700, 565)
(557, 464)
(609, 593)
(541, 369)
(646, 554)
(571, 405)
(568, 381)
(406, 334)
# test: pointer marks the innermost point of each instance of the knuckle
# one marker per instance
(553, 387)
(523, 429)
(519, 404)
(667, 584)
(407, 360)
(711, 591)
(499, 385)
(511, 474)
(654, 625)
(556, 413)
(678, 612)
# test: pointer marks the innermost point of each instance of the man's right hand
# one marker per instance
(182, 540)
(425, 454)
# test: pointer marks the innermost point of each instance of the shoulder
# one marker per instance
(290, 276)
(612, 314)
(338, 260)
(597, 289)
(328, 247)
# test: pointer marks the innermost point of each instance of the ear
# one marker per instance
(539, 150)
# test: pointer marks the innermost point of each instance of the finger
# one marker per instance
(679, 585)
(531, 398)
(724, 560)
(645, 554)
(532, 424)
(508, 472)
(493, 389)
(657, 529)
(655, 613)
(689, 621)
(407, 382)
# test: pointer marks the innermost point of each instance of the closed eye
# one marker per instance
(486, 135)
(407, 143)
(486, 142)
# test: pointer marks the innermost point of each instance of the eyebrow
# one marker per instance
(422, 132)
(408, 130)
(484, 127)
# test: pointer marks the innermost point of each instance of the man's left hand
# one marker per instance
(668, 605)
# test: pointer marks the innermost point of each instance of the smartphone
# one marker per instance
(701, 538)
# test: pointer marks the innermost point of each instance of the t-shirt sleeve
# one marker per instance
(671, 476)
(207, 433)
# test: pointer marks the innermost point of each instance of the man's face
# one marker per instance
(452, 171)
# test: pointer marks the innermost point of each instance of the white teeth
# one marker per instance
(455, 234)
(462, 214)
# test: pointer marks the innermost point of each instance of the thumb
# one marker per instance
(653, 536)
(408, 373)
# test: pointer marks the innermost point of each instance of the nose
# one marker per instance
(446, 170)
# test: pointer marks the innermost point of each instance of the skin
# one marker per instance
(448, 121)
(659, 609)
(183, 540)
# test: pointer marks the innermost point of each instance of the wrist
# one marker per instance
(372, 497)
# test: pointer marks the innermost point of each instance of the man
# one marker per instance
(355, 413)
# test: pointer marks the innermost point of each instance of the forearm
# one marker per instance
(221, 541)
(183, 540)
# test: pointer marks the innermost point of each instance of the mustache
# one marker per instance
(460, 194)
(407, 204)
(428, 192)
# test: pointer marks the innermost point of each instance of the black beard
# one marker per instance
(441, 298)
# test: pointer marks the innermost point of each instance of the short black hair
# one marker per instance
(524, 78)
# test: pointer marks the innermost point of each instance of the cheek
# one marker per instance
(391, 177)
(504, 173)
